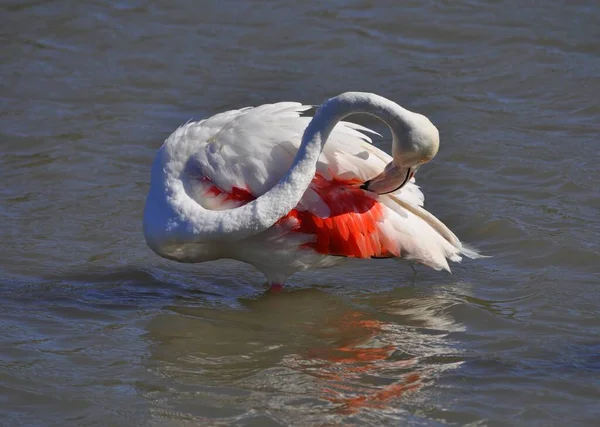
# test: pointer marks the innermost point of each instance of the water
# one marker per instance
(97, 330)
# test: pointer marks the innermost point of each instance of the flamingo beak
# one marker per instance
(392, 179)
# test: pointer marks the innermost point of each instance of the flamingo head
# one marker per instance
(413, 144)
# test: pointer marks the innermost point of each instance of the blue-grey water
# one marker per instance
(96, 330)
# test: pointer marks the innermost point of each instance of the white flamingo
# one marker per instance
(287, 193)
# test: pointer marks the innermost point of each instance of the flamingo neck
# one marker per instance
(399, 120)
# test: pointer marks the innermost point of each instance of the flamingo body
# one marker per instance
(233, 158)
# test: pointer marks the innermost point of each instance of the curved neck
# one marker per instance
(190, 222)
(398, 119)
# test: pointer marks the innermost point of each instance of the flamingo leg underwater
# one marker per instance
(275, 288)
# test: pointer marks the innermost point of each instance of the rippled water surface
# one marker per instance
(97, 330)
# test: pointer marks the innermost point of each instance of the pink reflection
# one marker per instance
(359, 352)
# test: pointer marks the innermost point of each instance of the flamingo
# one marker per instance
(286, 193)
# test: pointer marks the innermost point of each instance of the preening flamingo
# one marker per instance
(287, 193)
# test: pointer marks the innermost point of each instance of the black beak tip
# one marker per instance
(365, 185)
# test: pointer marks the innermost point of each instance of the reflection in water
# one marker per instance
(361, 350)
(302, 353)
